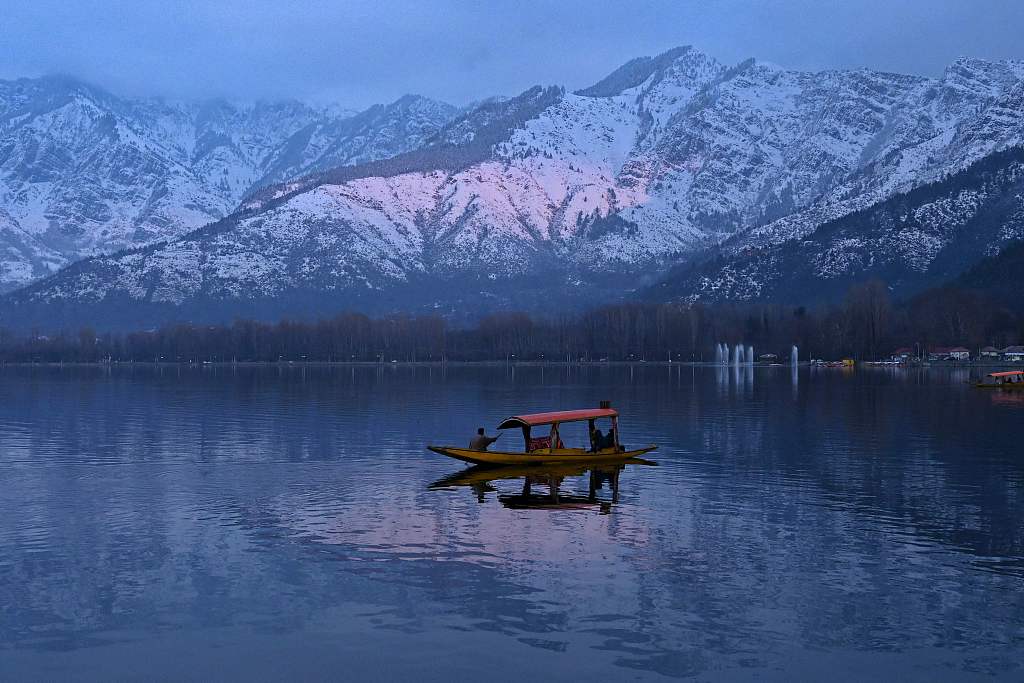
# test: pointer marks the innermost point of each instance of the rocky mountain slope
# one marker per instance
(577, 197)
(83, 172)
(913, 240)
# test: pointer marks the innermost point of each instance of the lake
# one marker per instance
(287, 523)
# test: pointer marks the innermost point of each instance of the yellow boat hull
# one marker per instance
(558, 456)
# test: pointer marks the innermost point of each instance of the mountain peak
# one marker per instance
(636, 71)
(411, 102)
(55, 88)
(983, 70)
(410, 99)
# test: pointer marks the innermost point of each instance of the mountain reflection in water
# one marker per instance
(280, 523)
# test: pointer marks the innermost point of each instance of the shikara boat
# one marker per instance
(549, 450)
(1011, 379)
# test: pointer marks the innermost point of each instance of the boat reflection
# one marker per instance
(602, 485)
(1003, 397)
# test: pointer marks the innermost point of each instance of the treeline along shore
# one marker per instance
(867, 325)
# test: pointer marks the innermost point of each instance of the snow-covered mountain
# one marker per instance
(914, 240)
(556, 196)
(83, 172)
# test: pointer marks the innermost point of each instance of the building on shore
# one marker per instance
(1014, 354)
(944, 353)
(989, 353)
(903, 355)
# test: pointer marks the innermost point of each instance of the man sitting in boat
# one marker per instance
(481, 441)
(599, 441)
(547, 449)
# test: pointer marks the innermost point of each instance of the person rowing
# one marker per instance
(549, 448)
(481, 441)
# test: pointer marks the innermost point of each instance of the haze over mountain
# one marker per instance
(84, 172)
(554, 197)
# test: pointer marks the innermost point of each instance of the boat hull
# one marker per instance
(555, 457)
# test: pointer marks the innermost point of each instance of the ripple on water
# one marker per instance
(848, 520)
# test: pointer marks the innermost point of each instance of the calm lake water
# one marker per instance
(280, 523)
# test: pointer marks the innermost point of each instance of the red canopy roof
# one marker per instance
(557, 416)
(1008, 373)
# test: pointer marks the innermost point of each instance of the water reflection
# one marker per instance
(1007, 397)
(553, 481)
(155, 520)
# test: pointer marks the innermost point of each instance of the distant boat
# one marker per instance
(1011, 379)
(550, 450)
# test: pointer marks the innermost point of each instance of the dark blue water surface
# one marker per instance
(279, 524)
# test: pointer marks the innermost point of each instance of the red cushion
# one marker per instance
(538, 443)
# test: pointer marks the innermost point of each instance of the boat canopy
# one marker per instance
(557, 416)
(1008, 373)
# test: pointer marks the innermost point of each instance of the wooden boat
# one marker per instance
(1011, 379)
(549, 450)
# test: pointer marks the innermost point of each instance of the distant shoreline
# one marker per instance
(493, 363)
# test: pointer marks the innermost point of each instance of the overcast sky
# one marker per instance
(358, 52)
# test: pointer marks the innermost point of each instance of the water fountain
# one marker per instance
(750, 355)
(737, 355)
(794, 376)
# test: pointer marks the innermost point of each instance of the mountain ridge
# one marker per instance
(668, 158)
(923, 238)
(84, 172)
